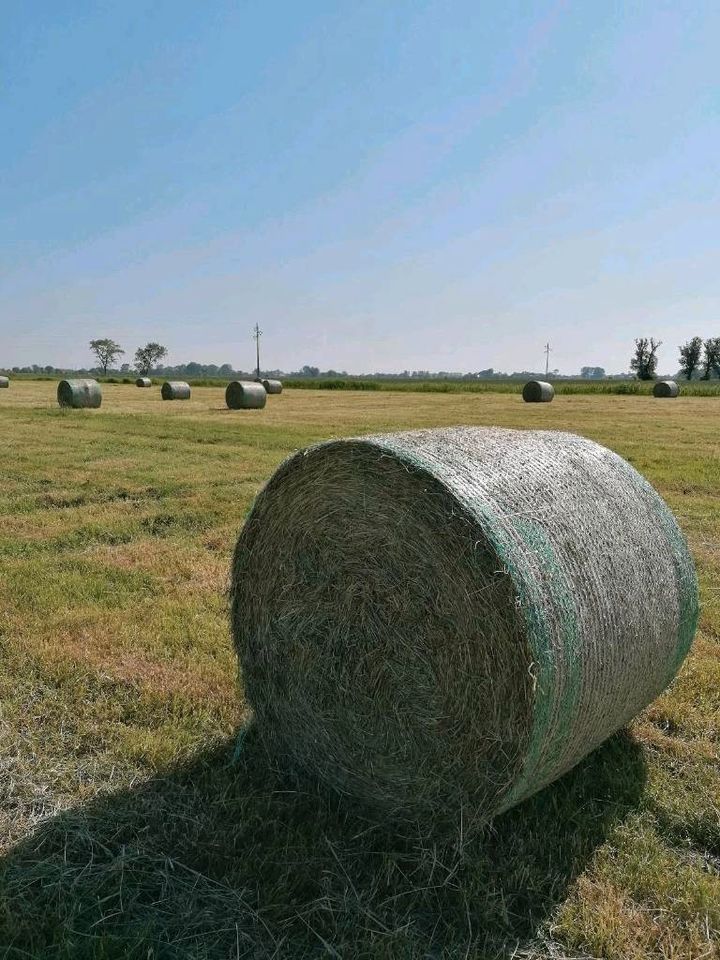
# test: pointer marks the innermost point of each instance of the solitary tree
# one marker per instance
(690, 354)
(149, 356)
(106, 351)
(644, 363)
(711, 359)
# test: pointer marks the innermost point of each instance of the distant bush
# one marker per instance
(696, 388)
(320, 383)
(692, 388)
(208, 381)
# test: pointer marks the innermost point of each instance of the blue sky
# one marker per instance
(381, 184)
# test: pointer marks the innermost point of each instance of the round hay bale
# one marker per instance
(4, 382)
(272, 386)
(143, 382)
(175, 390)
(666, 389)
(245, 395)
(457, 616)
(79, 394)
(538, 391)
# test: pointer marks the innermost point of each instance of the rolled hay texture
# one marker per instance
(244, 395)
(79, 394)
(666, 389)
(175, 390)
(272, 386)
(143, 382)
(4, 382)
(456, 616)
(538, 391)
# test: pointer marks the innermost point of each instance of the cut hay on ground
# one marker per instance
(79, 394)
(175, 390)
(245, 395)
(456, 616)
(666, 389)
(538, 391)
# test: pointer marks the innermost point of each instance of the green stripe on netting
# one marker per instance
(533, 596)
(552, 719)
(685, 574)
(688, 600)
(554, 711)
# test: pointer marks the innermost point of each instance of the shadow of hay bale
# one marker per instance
(220, 858)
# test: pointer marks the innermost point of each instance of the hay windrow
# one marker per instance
(538, 391)
(456, 617)
(245, 395)
(79, 394)
(175, 390)
(666, 389)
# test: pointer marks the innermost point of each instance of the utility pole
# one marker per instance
(547, 358)
(257, 333)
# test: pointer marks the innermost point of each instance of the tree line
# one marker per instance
(695, 355)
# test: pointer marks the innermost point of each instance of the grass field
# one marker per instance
(133, 827)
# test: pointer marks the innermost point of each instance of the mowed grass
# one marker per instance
(133, 825)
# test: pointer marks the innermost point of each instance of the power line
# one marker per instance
(257, 333)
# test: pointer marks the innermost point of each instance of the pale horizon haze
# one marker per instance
(381, 186)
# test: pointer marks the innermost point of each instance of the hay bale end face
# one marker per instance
(457, 616)
(272, 386)
(143, 382)
(538, 391)
(666, 389)
(245, 395)
(79, 394)
(4, 382)
(175, 390)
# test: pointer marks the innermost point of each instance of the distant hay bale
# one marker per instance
(538, 391)
(245, 395)
(456, 616)
(175, 390)
(666, 389)
(4, 382)
(79, 394)
(272, 386)
(143, 382)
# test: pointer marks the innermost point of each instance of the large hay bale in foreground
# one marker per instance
(175, 390)
(456, 616)
(245, 395)
(143, 382)
(4, 382)
(538, 391)
(272, 386)
(79, 394)
(666, 389)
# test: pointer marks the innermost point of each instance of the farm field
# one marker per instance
(132, 825)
